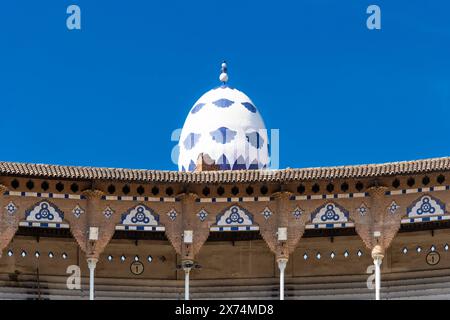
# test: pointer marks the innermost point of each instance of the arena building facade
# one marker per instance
(225, 226)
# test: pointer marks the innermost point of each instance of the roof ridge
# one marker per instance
(288, 174)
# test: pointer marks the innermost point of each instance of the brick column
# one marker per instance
(379, 225)
(187, 222)
(97, 219)
(188, 250)
(282, 223)
(94, 232)
(377, 228)
(9, 222)
(283, 218)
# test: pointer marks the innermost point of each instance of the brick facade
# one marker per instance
(281, 199)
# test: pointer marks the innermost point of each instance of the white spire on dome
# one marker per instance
(224, 75)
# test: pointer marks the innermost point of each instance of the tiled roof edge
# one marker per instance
(142, 175)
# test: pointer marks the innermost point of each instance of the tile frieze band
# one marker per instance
(225, 199)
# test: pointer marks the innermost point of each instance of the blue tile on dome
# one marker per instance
(223, 163)
(192, 166)
(253, 165)
(191, 140)
(255, 139)
(223, 103)
(225, 167)
(197, 107)
(223, 135)
(240, 164)
(250, 107)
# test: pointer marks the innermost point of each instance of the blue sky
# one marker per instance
(112, 93)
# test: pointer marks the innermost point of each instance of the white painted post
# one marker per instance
(377, 256)
(282, 266)
(186, 282)
(377, 262)
(92, 262)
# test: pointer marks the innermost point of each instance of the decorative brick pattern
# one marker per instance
(284, 217)
(379, 219)
(368, 210)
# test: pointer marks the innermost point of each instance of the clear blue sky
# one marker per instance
(112, 93)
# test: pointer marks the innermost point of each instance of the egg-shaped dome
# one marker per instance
(225, 126)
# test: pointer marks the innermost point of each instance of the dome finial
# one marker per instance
(224, 75)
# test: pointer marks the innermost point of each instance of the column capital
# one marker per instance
(378, 253)
(187, 265)
(282, 262)
(92, 262)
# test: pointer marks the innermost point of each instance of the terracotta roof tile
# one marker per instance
(356, 171)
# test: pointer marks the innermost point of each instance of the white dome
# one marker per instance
(225, 125)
